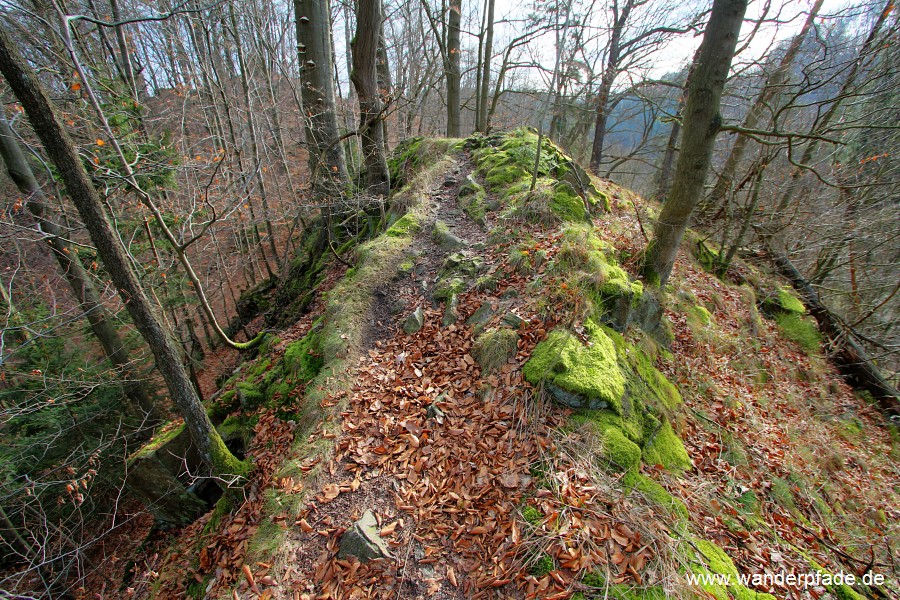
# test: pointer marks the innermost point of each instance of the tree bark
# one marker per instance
(665, 171)
(606, 83)
(482, 124)
(62, 152)
(365, 79)
(454, 19)
(383, 68)
(76, 275)
(701, 124)
(327, 166)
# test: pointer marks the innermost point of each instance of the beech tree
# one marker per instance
(327, 165)
(62, 152)
(701, 125)
(365, 79)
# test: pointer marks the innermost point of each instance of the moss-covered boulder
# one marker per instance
(577, 375)
(622, 399)
(587, 265)
(782, 301)
(473, 200)
(506, 162)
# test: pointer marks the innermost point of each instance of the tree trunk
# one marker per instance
(64, 155)
(79, 280)
(606, 83)
(482, 124)
(454, 19)
(365, 79)
(665, 171)
(701, 124)
(328, 169)
(771, 87)
(383, 68)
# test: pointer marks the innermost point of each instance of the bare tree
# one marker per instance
(365, 79)
(62, 151)
(701, 125)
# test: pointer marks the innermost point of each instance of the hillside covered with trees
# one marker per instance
(398, 299)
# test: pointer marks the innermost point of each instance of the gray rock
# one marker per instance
(415, 321)
(450, 311)
(513, 320)
(445, 238)
(434, 412)
(363, 542)
(397, 307)
(481, 316)
(572, 399)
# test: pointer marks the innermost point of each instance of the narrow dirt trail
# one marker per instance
(439, 454)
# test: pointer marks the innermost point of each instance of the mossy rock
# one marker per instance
(494, 347)
(666, 448)
(473, 199)
(249, 395)
(463, 263)
(405, 226)
(303, 359)
(448, 287)
(590, 374)
(445, 238)
(567, 204)
(782, 301)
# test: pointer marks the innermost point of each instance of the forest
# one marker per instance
(455, 299)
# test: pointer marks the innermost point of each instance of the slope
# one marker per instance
(490, 405)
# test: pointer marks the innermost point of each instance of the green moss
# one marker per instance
(494, 347)
(542, 566)
(701, 314)
(224, 462)
(790, 302)
(504, 175)
(166, 435)
(657, 494)
(249, 394)
(567, 204)
(447, 287)
(647, 382)
(591, 371)
(716, 558)
(226, 403)
(619, 453)
(405, 226)
(223, 508)
(532, 516)
(666, 449)
(801, 330)
(303, 359)
(620, 591)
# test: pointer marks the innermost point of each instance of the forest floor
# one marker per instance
(481, 489)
